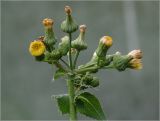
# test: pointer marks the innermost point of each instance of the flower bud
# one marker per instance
(137, 54)
(69, 25)
(135, 64)
(37, 48)
(89, 80)
(64, 45)
(54, 55)
(68, 10)
(120, 62)
(49, 38)
(79, 43)
(104, 44)
(95, 82)
(107, 40)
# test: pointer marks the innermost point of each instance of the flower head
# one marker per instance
(37, 48)
(107, 40)
(82, 28)
(136, 54)
(68, 10)
(69, 25)
(79, 43)
(47, 22)
(136, 64)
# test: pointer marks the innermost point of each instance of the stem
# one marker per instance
(83, 70)
(75, 61)
(70, 57)
(86, 69)
(65, 62)
(70, 83)
(73, 115)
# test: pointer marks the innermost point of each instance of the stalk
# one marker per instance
(75, 61)
(70, 84)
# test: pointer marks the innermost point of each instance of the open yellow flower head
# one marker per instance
(47, 22)
(136, 54)
(37, 48)
(107, 40)
(68, 10)
(136, 64)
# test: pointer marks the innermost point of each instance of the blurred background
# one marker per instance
(27, 85)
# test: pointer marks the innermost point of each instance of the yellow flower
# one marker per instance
(107, 40)
(47, 22)
(37, 48)
(136, 64)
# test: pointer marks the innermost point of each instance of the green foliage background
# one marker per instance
(27, 86)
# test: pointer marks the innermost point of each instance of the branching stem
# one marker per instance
(70, 83)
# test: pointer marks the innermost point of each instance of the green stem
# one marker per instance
(70, 56)
(75, 61)
(65, 62)
(73, 115)
(70, 83)
(84, 70)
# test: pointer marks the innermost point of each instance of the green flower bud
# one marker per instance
(79, 43)
(104, 44)
(64, 46)
(90, 80)
(120, 62)
(69, 25)
(87, 79)
(95, 82)
(49, 38)
(54, 55)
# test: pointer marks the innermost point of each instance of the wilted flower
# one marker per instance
(37, 48)
(136, 54)
(82, 28)
(135, 64)
(79, 43)
(47, 22)
(69, 25)
(49, 38)
(68, 10)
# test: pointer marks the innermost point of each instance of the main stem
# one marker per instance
(70, 83)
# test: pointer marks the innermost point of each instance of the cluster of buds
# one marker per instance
(44, 49)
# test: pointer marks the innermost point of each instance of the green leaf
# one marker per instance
(63, 103)
(59, 73)
(89, 105)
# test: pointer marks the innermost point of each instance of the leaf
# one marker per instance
(89, 105)
(59, 73)
(63, 103)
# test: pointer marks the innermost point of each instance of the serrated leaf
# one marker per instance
(89, 105)
(59, 73)
(63, 103)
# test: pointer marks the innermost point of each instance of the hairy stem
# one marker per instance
(70, 83)
(73, 115)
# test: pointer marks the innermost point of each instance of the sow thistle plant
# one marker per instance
(80, 78)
